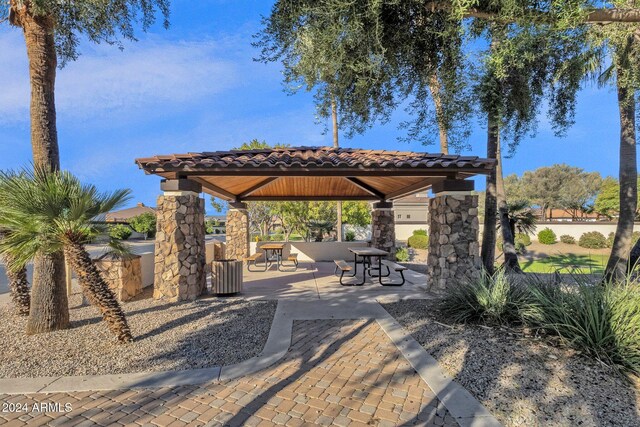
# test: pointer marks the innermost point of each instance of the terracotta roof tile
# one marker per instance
(310, 157)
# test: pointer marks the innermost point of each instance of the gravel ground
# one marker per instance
(523, 381)
(168, 336)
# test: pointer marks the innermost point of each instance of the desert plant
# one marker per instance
(547, 237)
(420, 232)
(593, 240)
(418, 241)
(570, 240)
(600, 321)
(402, 254)
(350, 236)
(120, 232)
(489, 299)
(44, 212)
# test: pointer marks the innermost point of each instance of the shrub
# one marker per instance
(144, 223)
(634, 238)
(547, 237)
(523, 238)
(277, 237)
(402, 254)
(600, 321)
(593, 240)
(570, 240)
(490, 299)
(420, 232)
(120, 231)
(350, 236)
(418, 241)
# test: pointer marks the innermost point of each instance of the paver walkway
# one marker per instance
(337, 372)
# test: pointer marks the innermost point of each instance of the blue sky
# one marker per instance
(195, 87)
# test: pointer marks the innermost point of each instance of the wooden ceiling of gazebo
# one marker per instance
(314, 173)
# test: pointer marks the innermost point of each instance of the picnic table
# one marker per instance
(367, 266)
(276, 254)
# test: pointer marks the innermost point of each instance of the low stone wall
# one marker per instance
(124, 276)
(454, 253)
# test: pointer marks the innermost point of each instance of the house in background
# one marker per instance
(124, 215)
(411, 214)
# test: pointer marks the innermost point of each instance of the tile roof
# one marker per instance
(311, 157)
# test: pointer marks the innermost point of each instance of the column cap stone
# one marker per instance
(237, 205)
(179, 185)
(383, 205)
(452, 185)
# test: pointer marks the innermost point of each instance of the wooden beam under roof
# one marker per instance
(256, 187)
(413, 188)
(305, 198)
(218, 192)
(366, 187)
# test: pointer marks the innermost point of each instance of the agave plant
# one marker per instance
(44, 212)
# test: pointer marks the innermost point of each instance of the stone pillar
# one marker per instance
(383, 228)
(237, 244)
(454, 252)
(179, 272)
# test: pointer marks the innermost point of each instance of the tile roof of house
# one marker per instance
(312, 157)
(124, 215)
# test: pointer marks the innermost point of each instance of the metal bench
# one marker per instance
(252, 260)
(397, 268)
(344, 267)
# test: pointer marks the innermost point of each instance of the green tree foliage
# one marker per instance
(120, 232)
(261, 216)
(144, 223)
(369, 57)
(356, 213)
(300, 217)
(561, 187)
(219, 205)
(607, 201)
(256, 144)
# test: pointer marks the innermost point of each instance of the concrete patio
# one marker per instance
(317, 281)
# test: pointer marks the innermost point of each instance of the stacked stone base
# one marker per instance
(383, 231)
(237, 243)
(180, 248)
(454, 253)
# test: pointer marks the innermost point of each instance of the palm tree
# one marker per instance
(521, 217)
(47, 212)
(18, 286)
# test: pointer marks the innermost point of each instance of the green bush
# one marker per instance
(600, 321)
(420, 232)
(593, 240)
(144, 223)
(350, 236)
(523, 238)
(418, 241)
(570, 240)
(277, 237)
(634, 238)
(402, 254)
(547, 237)
(490, 299)
(120, 231)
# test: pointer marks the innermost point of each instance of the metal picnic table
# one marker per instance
(366, 254)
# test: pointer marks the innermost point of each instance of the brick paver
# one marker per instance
(337, 372)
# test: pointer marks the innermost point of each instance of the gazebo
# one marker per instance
(311, 173)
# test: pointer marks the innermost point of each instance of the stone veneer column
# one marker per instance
(383, 228)
(237, 231)
(180, 248)
(454, 252)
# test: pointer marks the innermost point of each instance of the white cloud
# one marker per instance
(146, 75)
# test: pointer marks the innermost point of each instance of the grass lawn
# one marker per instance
(568, 263)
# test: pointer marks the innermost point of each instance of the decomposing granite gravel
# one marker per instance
(167, 336)
(523, 381)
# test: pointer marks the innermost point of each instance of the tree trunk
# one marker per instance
(617, 265)
(490, 205)
(41, 52)
(508, 237)
(49, 306)
(97, 290)
(19, 288)
(334, 119)
(434, 88)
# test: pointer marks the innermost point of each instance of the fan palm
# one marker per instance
(18, 286)
(45, 212)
